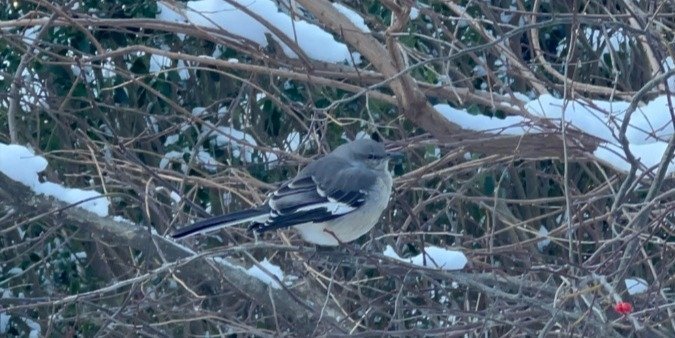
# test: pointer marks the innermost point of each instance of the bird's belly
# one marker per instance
(350, 226)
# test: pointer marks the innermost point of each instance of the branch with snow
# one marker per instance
(18, 170)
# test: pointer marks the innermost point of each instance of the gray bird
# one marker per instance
(334, 199)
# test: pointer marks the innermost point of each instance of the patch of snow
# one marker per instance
(227, 198)
(32, 92)
(360, 135)
(240, 142)
(263, 276)
(173, 156)
(122, 220)
(171, 139)
(649, 155)
(198, 111)
(30, 34)
(79, 255)
(434, 257)
(507, 15)
(175, 196)
(648, 130)
(35, 328)
(4, 322)
(545, 240)
(152, 123)
(511, 125)
(292, 142)
(650, 122)
(108, 68)
(219, 14)
(15, 271)
(222, 111)
(668, 64)
(183, 71)
(479, 69)
(353, 16)
(159, 62)
(636, 285)
(414, 13)
(208, 162)
(22, 165)
(167, 13)
(88, 75)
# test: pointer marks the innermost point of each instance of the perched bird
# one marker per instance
(334, 199)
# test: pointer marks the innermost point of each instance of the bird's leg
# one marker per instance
(351, 250)
(330, 232)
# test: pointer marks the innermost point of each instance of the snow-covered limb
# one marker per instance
(184, 263)
(434, 257)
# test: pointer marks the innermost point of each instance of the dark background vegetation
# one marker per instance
(80, 92)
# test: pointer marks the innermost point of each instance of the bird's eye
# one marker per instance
(372, 156)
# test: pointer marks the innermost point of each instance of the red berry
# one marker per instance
(623, 308)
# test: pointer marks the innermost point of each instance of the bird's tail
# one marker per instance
(223, 221)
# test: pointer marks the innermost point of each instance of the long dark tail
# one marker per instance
(214, 223)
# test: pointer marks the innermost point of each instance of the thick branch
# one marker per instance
(297, 308)
(415, 106)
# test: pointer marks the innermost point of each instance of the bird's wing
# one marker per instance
(327, 188)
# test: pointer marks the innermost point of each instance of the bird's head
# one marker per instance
(369, 152)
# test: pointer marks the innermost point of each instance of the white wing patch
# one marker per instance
(320, 191)
(332, 206)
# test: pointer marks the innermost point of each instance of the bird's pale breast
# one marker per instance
(353, 225)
